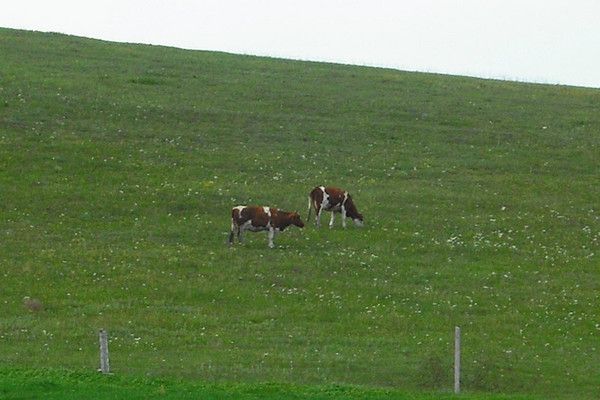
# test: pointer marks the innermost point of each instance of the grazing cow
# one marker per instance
(334, 200)
(256, 219)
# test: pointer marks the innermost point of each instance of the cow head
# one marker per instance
(295, 218)
(358, 220)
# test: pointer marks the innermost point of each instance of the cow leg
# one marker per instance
(240, 234)
(234, 227)
(332, 219)
(344, 217)
(318, 217)
(271, 236)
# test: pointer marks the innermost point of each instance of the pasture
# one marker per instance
(119, 165)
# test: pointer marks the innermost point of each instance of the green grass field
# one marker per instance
(119, 165)
(65, 384)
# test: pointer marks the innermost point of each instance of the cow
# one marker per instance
(335, 200)
(256, 219)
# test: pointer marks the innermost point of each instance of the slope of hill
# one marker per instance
(64, 384)
(119, 165)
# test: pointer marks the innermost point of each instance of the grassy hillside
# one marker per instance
(64, 384)
(119, 165)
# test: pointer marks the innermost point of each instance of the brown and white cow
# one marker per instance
(256, 219)
(335, 200)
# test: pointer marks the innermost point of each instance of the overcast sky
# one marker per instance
(551, 41)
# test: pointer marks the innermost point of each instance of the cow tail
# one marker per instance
(234, 215)
(309, 208)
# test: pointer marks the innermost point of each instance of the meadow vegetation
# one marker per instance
(119, 165)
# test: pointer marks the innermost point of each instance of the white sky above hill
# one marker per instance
(550, 41)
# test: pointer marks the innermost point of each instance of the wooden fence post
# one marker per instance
(456, 359)
(104, 366)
